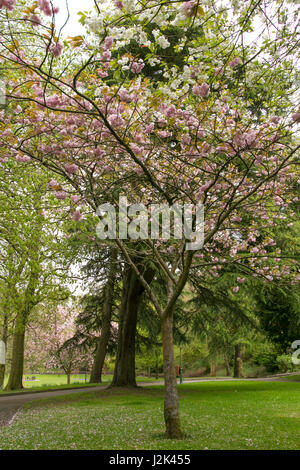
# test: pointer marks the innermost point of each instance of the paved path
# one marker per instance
(10, 404)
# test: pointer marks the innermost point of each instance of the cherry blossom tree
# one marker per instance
(47, 343)
(207, 130)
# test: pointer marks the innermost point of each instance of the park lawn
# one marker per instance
(45, 382)
(218, 415)
(292, 378)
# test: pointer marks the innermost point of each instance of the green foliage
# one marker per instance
(266, 359)
(278, 307)
(284, 363)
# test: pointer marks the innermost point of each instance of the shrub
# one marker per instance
(284, 363)
(268, 359)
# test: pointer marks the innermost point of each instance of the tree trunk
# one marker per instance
(15, 381)
(4, 339)
(124, 373)
(2, 375)
(238, 361)
(68, 379)
(149, 372)
(96, 374)
(227, 366)
(213, 371)
(171, 402)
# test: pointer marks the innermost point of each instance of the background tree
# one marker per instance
(31, 268)
(48, 339)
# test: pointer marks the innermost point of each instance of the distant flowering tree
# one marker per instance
(46, 344)
(167, 103)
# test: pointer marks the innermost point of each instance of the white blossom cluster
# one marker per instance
(94, 23)
(129, 5)
(160, 39)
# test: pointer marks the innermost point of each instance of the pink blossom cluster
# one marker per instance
(75, 198)
(296, 117)
(18, 109)
(77, 215)
(170, 111)
(275, 119)
(71, 168)
(108, 42)
(54, 101)
(116, 120)
(188, 7)
(137, 67)
(57, 49)
(234, 62)
(106, 56)
(46, 7)
(201, 90)
(60, 195)
(138, 150)
(125, 96)
(53, 184)
(99, 152)
(35, 20)
(8, 4)
(23, 158)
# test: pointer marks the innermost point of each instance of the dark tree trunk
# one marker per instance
(68, 379)
(124, 374)
(15, 381)
(171, 402)
(238, 361)
(96, 374)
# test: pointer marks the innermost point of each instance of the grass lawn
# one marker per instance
(218, 415)
(292, 378)
(46, 382)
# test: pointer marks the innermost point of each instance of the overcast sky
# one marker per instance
(73, 28)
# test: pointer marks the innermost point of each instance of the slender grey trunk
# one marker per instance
(171, 402)
(238, 361)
